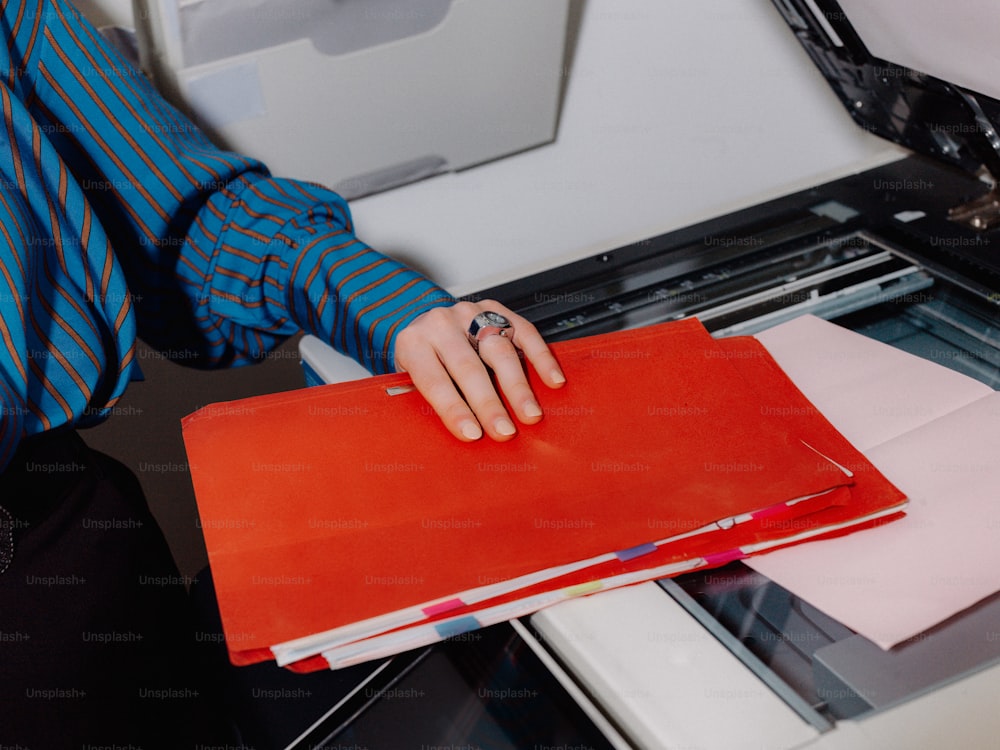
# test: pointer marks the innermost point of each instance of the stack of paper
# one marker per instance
(344, 523)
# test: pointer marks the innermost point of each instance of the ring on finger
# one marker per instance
(489, 323)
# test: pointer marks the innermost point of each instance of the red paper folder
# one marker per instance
(342, 504)
(870, 500)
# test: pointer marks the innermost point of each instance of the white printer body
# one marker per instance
(362, 95)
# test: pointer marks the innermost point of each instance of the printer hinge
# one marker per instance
(980, 214)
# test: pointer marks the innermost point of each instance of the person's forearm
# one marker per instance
(223, 260)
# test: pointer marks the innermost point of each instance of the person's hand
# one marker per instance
(444, 366)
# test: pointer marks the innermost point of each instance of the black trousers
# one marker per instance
(96, 646)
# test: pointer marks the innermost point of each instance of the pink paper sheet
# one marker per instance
(934, 433)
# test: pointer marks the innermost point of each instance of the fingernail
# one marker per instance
(471, 430)
(504, 427)
(558, 377)
(532, 409)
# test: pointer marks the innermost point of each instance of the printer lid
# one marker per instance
(920, 73)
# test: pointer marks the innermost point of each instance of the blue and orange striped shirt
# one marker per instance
(118, 218)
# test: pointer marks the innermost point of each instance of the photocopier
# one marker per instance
(907, 253)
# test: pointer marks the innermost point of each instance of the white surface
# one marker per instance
(673, 112)
(663, 677)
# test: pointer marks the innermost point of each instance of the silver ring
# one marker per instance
(489, 324)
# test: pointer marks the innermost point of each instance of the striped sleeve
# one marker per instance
(223, 260)
(66, 322)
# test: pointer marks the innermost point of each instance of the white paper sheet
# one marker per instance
(933, 433)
